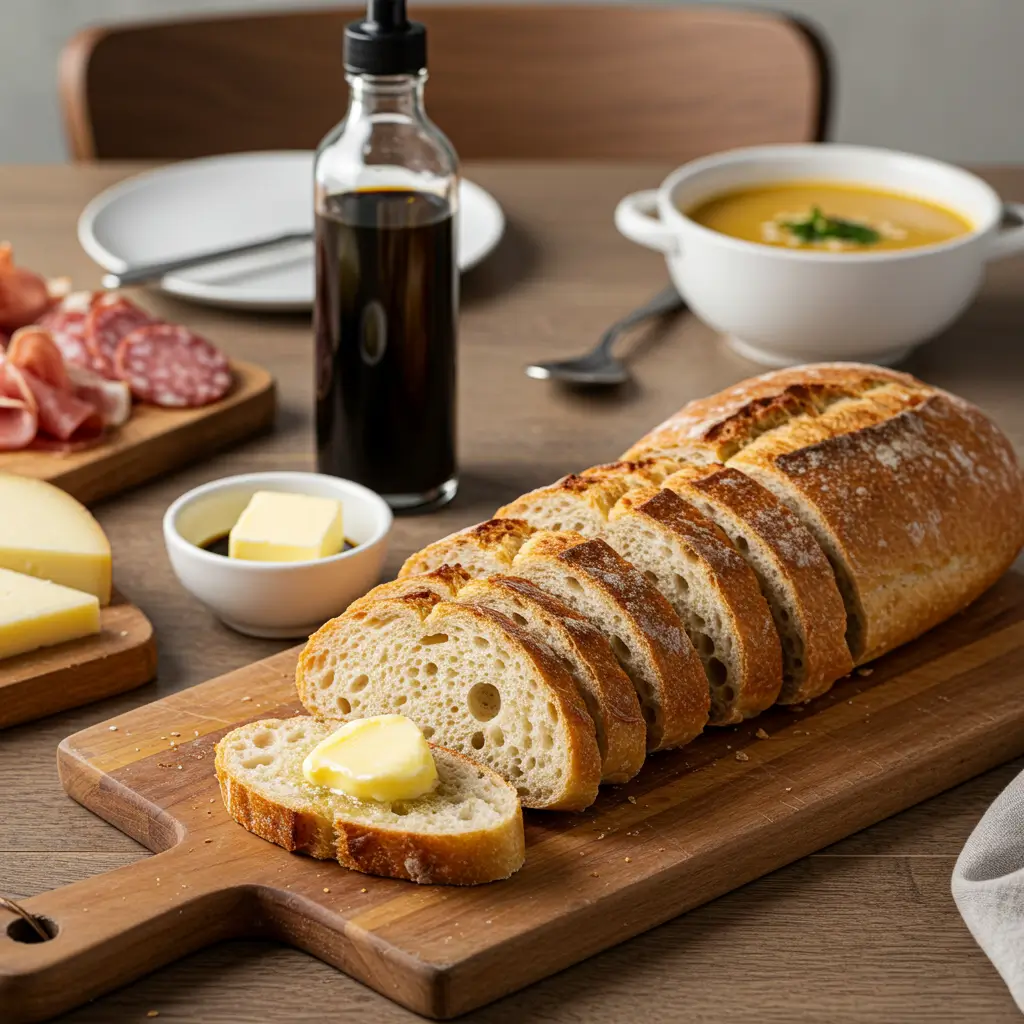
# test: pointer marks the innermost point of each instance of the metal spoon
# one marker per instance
(599, 366)
(155, 271)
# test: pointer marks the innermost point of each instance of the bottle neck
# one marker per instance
(395, 95)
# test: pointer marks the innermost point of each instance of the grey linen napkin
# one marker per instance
(988, 885)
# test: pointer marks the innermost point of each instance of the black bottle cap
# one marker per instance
(386, 42)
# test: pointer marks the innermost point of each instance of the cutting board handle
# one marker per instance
(113, 928)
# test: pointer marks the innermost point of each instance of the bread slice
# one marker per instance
(793, 571)
(444, 582)
(645, 633)
(581, 502)
(472, 679)
(605, 688)
(468, 830)
(479, 550)
(713, 591)
(915, 496)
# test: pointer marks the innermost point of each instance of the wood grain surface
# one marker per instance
(120, 657)
(863, 931)
(507, 82)
(155, 441)
(731, 806)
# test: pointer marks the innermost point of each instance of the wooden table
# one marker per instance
(863, 931)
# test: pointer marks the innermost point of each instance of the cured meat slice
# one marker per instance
(62, 414)
(24, 296)
(19, 419)
(112, 397)
(172, 366)
(67, 328)
(33, 350)
(110, 319)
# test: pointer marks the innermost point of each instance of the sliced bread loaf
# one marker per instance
(793, 571)
(713, 591)
(914, 494)
(645, 633)
(472, 679)
(605, 688)
(479, 550)
(468, 830)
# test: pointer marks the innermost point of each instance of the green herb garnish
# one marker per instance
(817, 227)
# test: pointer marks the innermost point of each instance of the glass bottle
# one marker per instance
(386, 310)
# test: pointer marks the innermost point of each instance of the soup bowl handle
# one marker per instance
(1008, 239)
(637, 218)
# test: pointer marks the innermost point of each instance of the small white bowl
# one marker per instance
(275, 599)
(781, 306)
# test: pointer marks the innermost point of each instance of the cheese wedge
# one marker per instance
(37, 613)
(44, 532)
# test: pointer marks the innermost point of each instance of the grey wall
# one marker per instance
(943, 77)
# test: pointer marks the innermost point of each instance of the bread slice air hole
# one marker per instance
(481, 641)
(741, 543)
(476, 741)
(257, 760)
(704, 644)
(263, 739)
(484, 702)
(680, 581)
(357, 684)
(573, 584)
(428, 731)
(717, 673)
(519, 619)
(430, 668)
(400, 700)
(652, 576)
(434, 638)
(343, 705)
(326, 680)
(620, 648)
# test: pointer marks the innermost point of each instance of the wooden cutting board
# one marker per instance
(118, 658)
(693, 825)
(155, 441)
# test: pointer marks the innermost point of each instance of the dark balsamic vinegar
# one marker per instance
(385, 324)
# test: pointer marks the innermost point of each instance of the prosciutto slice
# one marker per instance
(24, 296)
(112, 397)
(33, 350)
(62, 414)
(19, 419)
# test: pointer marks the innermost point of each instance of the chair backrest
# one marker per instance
(531, 82)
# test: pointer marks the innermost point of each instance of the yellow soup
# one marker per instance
(827, 217)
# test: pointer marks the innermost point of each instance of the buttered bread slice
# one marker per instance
(472, 679)
(468, 830)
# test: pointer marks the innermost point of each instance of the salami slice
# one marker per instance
(172, 366)
(111, 319)
(67, 328)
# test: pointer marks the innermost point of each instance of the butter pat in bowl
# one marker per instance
(273, 589)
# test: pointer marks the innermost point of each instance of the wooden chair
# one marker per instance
(532, 82)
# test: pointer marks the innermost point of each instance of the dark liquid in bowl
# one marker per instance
(219, 545)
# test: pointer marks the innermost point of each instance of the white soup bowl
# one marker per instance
(780, 306)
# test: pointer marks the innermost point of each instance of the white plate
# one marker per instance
(222, 201)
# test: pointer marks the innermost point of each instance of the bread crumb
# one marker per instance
(211, 799)
(326, 889)
(246, 699)
(175, 733)
(124, 632)
(113, 728)
(740, 756)
(631, 799)
(363, 890)
(153, 1013)
(865, 671)
(789, 789)
(594, 874)
(762, 735)
(179, 767)
(628, 860)
(207, 840)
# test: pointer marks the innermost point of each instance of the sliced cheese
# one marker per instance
(283, 527)
(44, 532)
(37, 613)
(381, 758)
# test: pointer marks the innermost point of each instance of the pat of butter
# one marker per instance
(44, 532)
(281, 527)
(36, 613)
(382, 758)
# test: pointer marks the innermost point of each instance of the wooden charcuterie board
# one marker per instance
(120, 657)
(154, 441)
(693, 825)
